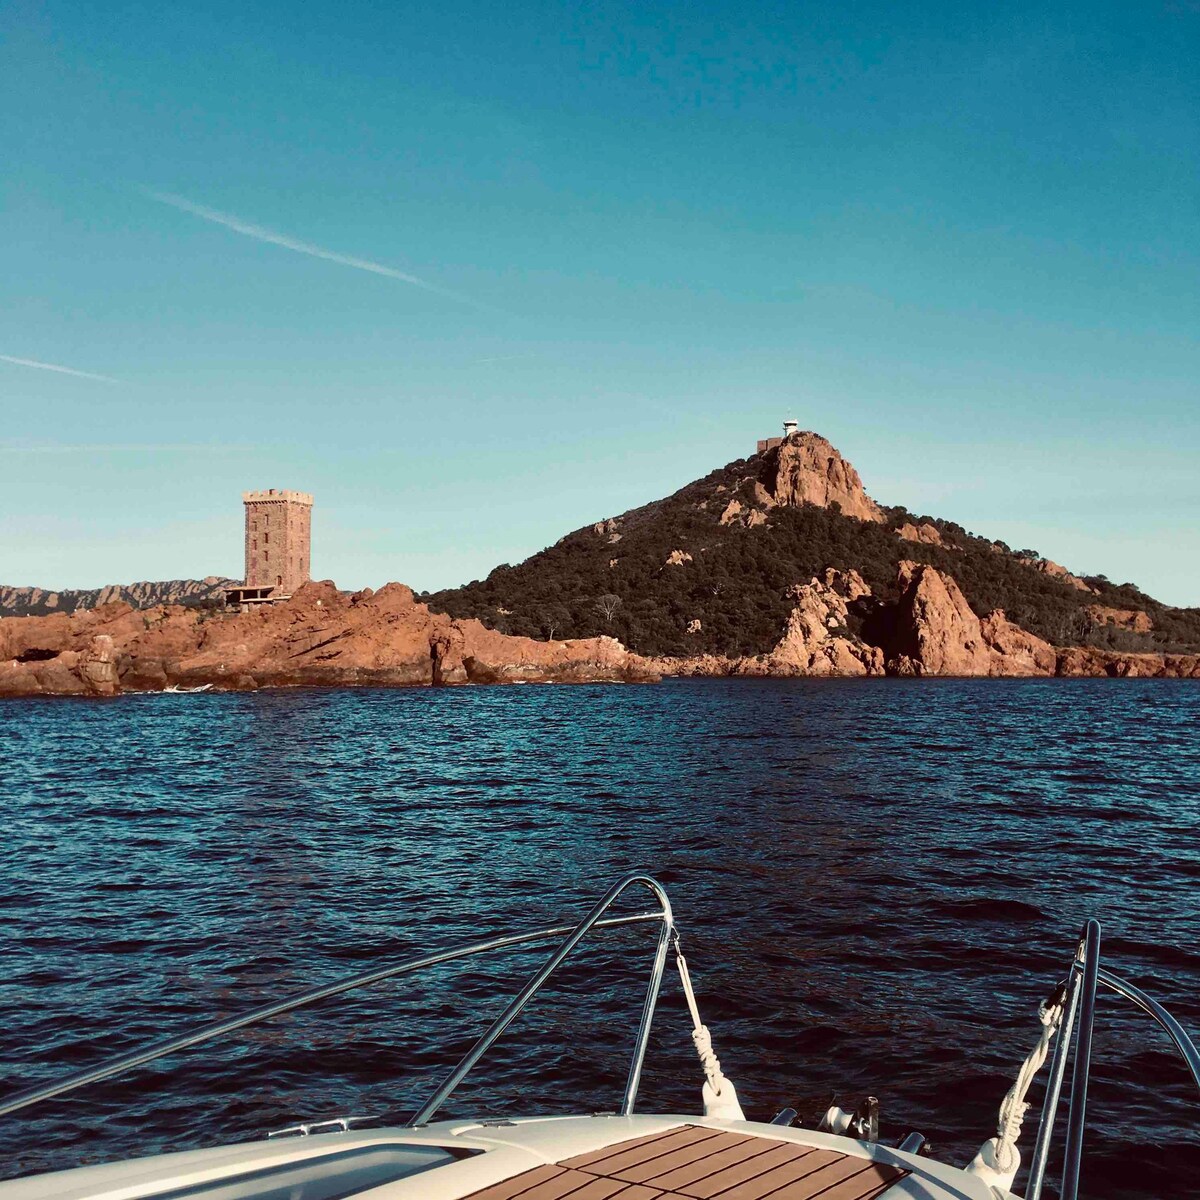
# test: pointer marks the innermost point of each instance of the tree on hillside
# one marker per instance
(607, 606)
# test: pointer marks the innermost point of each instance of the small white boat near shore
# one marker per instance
(714, 1154)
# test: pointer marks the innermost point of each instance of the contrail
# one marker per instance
(117, 448)
(41, 366)
(289, 243)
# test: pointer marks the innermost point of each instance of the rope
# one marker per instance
(724, 1099)
(1014, 1106)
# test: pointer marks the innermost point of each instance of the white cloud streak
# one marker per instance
(119, 448)
(41, 366)
(261, 234)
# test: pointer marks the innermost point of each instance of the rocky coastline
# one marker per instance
(323, 637)
(930, 630)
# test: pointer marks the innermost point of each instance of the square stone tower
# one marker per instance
(278, 531)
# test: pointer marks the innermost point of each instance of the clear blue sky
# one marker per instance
(477, 273)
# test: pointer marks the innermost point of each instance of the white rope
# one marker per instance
(720, 1096)
(1014, 1106)
(999, 1159)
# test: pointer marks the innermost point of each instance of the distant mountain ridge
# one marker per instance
(712, 570)
(37, 602)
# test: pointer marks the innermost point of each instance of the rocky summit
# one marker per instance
(782, 564)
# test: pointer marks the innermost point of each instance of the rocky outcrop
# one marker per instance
(737, 513)
(806, 469)
(608, 530)
(734, 511)
(677, 558)
(925, 533)
(1015, 651)
(1133, 619)
(97, 666)
(1082, 660)
(935, 631)
(1056, 571)
(32, 601)
(319, 637)
(930, 630)
(817, 640)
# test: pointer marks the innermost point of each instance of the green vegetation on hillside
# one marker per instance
(613, 578)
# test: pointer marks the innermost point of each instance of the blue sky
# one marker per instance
(476, 274)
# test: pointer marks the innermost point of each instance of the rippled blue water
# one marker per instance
(877, 882)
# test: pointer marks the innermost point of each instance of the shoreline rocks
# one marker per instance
(319, 638)
(930, 631)
(322, 637)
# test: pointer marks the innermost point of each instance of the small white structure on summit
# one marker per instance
(789, 427)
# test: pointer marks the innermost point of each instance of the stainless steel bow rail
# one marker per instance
(1074, 1040)
(595, 919)
(1080, 986)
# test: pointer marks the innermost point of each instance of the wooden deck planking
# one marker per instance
(877, 1178)
(738, 1179)
(697, 1163)
(665, 1164)
(714, 1164)
(627, 1154)
(808, 1176)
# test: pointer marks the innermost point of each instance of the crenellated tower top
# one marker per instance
(277, 496)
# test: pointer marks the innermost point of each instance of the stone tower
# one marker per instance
(278, 528)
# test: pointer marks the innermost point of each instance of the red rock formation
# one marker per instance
(815, 641)
(319, 637)
(1015, 651)
(806, 469)
(936, 631)
(1083, 660)
(1133, 619)
(1056, 571)
(326, 637)
(734, 511)
(925, 533)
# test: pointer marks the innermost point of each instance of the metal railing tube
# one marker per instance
(1176, 1032)
(1054, 1082)
(643, 1035)
(1077, 1113)
(204, 1033)
(522, 998)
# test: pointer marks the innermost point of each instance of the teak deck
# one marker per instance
(695, 1163)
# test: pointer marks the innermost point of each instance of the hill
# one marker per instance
(37, 602)
(712, 570)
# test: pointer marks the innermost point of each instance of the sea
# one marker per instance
(876, 883)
